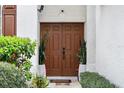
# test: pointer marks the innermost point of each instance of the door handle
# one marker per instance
(63, 52)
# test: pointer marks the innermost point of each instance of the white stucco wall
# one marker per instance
(91, 37)
(110, 44)
(72, 13)
(104, 32)
(28, 21)
(27, 26)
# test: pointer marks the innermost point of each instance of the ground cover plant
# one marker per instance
(94, 80)
(11, 76)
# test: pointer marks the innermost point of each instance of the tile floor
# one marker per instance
(73, 84)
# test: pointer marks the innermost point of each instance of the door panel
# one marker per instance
(62, 48)
(9, 30)
(72, 34)
(53, 50)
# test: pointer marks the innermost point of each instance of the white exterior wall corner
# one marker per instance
(90, 38)
(110, 44)
(27, 26)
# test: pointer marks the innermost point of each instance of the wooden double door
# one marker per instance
(64, 40)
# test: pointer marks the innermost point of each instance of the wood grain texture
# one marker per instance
(65, 36)
(9, 20)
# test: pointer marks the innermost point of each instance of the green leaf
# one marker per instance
(17, 51)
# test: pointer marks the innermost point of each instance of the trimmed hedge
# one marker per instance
(94, 80)
(11, 77)
(12, 48)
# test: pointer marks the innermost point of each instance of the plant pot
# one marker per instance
(42, 70)
(82, 68)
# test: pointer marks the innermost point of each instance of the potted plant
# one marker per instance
(42, 56)
(39, 82)
(82, 58)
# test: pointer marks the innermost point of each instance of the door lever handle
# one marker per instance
(63, 52)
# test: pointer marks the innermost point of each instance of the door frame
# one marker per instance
(62, 22)
(84, 34)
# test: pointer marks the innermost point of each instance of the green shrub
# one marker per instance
(94, 80)
(11, 77)
(17, 51)
(39, 82)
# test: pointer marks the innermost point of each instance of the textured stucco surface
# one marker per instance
(110, 44)
(27, 26)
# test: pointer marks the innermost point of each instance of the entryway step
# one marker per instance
(72, 78)
(73, 84)
(63, 82)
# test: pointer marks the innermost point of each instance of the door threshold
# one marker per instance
(73, 78)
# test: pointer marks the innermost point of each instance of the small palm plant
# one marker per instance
(39, 82)
(42, 48)
(82, 53)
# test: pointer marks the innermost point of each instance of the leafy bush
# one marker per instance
(39, 82)
(11, 77)
(17, 51)
(94, 80)
(82, 53)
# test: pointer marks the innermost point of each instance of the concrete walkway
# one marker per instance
(73, 84)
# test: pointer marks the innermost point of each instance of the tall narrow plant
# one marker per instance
(82, 53)
(42, 48)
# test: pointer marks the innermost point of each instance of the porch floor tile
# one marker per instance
(73, 84)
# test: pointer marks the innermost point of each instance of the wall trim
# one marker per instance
(61, 22)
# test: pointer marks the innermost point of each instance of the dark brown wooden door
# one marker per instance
(9, 20)
(62, 48)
